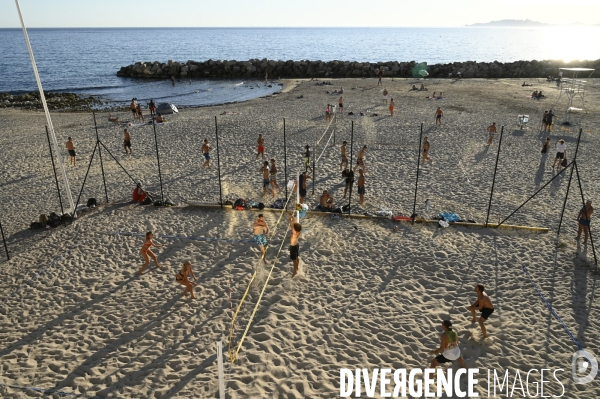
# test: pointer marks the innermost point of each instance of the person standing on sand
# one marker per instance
(561, 153)
(361, 185)
(545, 151)
(261, 147)
(266, 180)
(340, 105)
(360, 159)
(273, 177)
(544, 121)
(261, 231)
(344, 157)
(173, 80)
(549, 120)
(126, 142)
(492, 131)
(206, 152)
(296, 228)
(392, 106)
(425, 152)
(483, 304)
(448, 350)
(327, 113)
(140, 113)
(302, 186)
(438, 116)
(584, 218)
(71, 148)
(307, 159)
(151, 107)
(349, 176)
(147, 252)
(183, 279)
(385, 94)
(133, 108)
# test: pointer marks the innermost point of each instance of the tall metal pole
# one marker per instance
(494, 178)
(285, 160)
(4, 241)
(100, 155)
(351, 165)
(86, 173)
(417, 179)
(218, 163)
(314, 172)
(583, 201)
(162, 197)
(62, 211)
(568, 185)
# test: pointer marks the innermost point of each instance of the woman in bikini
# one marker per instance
(273, 178)
(147, 252)
(182, 278)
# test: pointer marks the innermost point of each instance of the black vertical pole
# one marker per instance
(569, 185)
(55, 176)
(351, 166)
(100, 155)
(494, 178)
(85, 178)
(218, 163)
(583, 201)
(4, 239)
(417, 179)
(162, 197)
(285, 160)
(314, 172)
(334, 126)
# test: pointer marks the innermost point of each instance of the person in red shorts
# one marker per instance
(261, 147)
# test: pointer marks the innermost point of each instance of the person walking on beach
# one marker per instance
(438, 116)
(545, 151)
(483, 304)
(379, 78)
(492, 131)
(183, 279)
(425, 151)
(584, 219)
(206, 152)
(385, 94)
(328, 113)
(307, 159)
(544, 121)
(273, 177)
(126, 142)
(173, 80)
(296, 228)
(549, 120)
(360, 159)
(302, 186)
(361, 186)
(140, 114)
(561, 153)
(349, 176)
(448, 350)
(261, 231)
(266, 180)
(133, 108)
(392, 106)
(344, 163)
(340, 105)
(147, 252)
(71, 148)
(261, 147)
(151, 107)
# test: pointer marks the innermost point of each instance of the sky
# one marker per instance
(282, 13)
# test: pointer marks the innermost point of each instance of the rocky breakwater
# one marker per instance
(345, 69)
(55, 101)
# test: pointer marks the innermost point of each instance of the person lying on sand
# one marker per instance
(483, 304)
(113, 118)
(147, 252)
(183, 279)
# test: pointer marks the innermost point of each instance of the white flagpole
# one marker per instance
(48, 119)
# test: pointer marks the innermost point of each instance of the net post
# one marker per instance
(221, 372)
(565, 202)
(584, 207)
(417, 179)
(100, 155)
(285, 159)
(351, 166)
(85, 178)
(62, 210)
(162, 197)
(494, 178)
(298, 196)
(218, 163)
(4, 241)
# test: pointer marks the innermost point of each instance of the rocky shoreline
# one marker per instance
(56, 101)
(345, 69)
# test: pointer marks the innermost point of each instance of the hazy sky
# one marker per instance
(282, 13)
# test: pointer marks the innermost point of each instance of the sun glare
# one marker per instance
(571, 43)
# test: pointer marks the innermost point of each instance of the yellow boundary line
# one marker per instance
(232, 359)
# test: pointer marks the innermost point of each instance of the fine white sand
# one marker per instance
(367, 297)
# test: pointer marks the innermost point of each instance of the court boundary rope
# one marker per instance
(241, 302)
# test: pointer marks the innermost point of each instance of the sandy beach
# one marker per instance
(76, 318)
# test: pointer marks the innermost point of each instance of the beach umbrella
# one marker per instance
(423, 73)
(166, 108)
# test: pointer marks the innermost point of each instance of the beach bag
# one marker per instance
(564, 163)
(43, 220)
(36, 225)
(240, 204)
(91, 202)
(346, 208)
(146, 201)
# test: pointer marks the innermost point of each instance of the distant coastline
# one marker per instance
(525, 23)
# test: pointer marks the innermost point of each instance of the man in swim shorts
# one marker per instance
(261, 147)
(360, 159)
(261, 231)
(296, 228)
(584, 220)
(151, 107)
(307, 159)
(425, 151)
(266, 180)
(361, 185)
(71, 148)
(344, 157)
(302, 186)
(448, 350)
(438, 116)
(561, 153)
(206, 152)
(126, 142)
(349, 176)
(326, 202)
(483, 304)
(492, 131)
(133, 108)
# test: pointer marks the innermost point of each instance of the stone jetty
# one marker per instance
(345, 69)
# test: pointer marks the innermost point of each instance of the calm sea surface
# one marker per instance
(86, 61)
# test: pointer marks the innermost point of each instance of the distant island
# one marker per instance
(524, 23)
